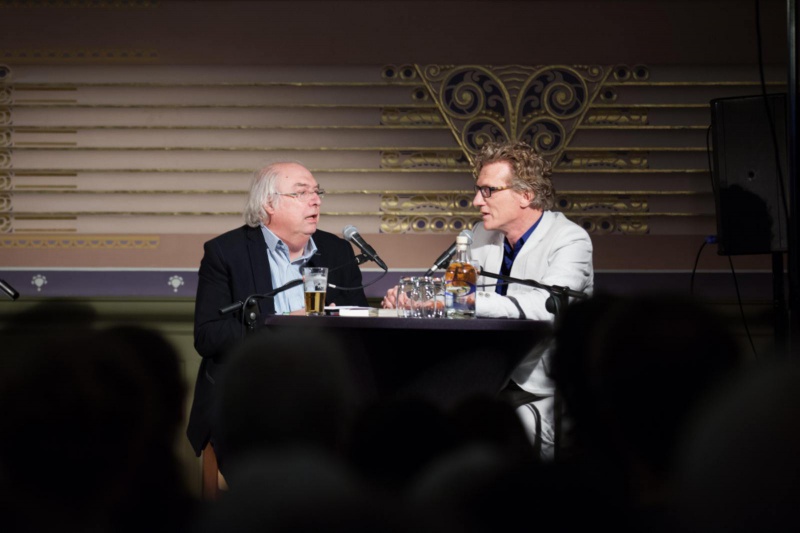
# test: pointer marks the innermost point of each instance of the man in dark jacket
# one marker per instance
(280, 238)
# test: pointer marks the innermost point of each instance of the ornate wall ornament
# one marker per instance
(408, 160)
(5, 74)
(615, 160)
(406, 116)
(5, 224)
(614, 203)
(436, 213)
(5, 138)
(403, 73)
(39, 281)
(5, 158)
(121, 242)
(5, 180)
(5, 202)
(606, 225)
(6, 95)
(5, 116)
(539, 105)
(617, 117)
(623, 73)
(426, 224)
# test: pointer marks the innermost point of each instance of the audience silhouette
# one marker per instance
(90, 425)
(662, 429)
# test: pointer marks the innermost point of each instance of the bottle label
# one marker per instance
(460, 298)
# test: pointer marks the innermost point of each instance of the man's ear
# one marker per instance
(268, 207)
(526, 197)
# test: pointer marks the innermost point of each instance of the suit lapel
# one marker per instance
(259, 265)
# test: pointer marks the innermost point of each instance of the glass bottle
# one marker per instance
(459, 282)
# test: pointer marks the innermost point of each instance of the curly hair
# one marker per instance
(530, 171)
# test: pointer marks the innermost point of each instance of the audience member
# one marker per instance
(89, 429)
(631, 372)
(284, 388)
(738, 468)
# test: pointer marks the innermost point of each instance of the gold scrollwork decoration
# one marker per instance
(602, 203)
(611, 224)
(122, 242)
(5, 116)
(604, 160)
(633, 226)
(438, 213)
(5, 74)
(617, 117)
(425, 202)
(5, 202)
(391, 116)
(539, 105)
(6, 95)
(5, 139)
(5, 224)
(5, 158)
(426, 224)
(410, 160)
(5, 181)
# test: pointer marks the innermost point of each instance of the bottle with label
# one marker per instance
(459, 282)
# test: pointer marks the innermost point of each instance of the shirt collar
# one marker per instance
(522, 240)
(275, 244)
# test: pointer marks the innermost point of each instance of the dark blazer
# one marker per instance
(235, 266)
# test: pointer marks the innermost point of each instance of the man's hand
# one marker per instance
(390, 300)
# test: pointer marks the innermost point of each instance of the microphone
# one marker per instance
(351, 235)
(238, 305)
(8, 290)
(445, 258)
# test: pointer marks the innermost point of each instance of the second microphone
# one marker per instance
(351, 235)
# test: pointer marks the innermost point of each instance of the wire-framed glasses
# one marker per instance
(302, 195)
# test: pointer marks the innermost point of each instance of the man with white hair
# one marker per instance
(279, 238)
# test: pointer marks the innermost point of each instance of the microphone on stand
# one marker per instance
(445, 258)
(559, 296)
(252, 298)
(351, 235)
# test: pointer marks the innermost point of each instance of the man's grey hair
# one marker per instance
(263, 192)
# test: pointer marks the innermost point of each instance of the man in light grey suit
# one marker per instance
(520, 237)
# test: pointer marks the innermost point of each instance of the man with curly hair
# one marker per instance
(521, 237)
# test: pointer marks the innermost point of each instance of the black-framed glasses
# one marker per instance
(302, 195)
(487, 191)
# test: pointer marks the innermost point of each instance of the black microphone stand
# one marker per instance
(559, 296)
(250, 316)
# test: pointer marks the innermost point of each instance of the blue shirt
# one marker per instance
(284, 270)
(510, 254)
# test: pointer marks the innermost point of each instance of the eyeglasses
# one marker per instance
(302, 195)
(487, 191)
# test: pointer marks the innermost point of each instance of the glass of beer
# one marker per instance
(315, 282)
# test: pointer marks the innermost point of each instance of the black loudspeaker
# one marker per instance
(747, 173)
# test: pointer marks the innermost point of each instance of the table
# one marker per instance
(439, 360)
